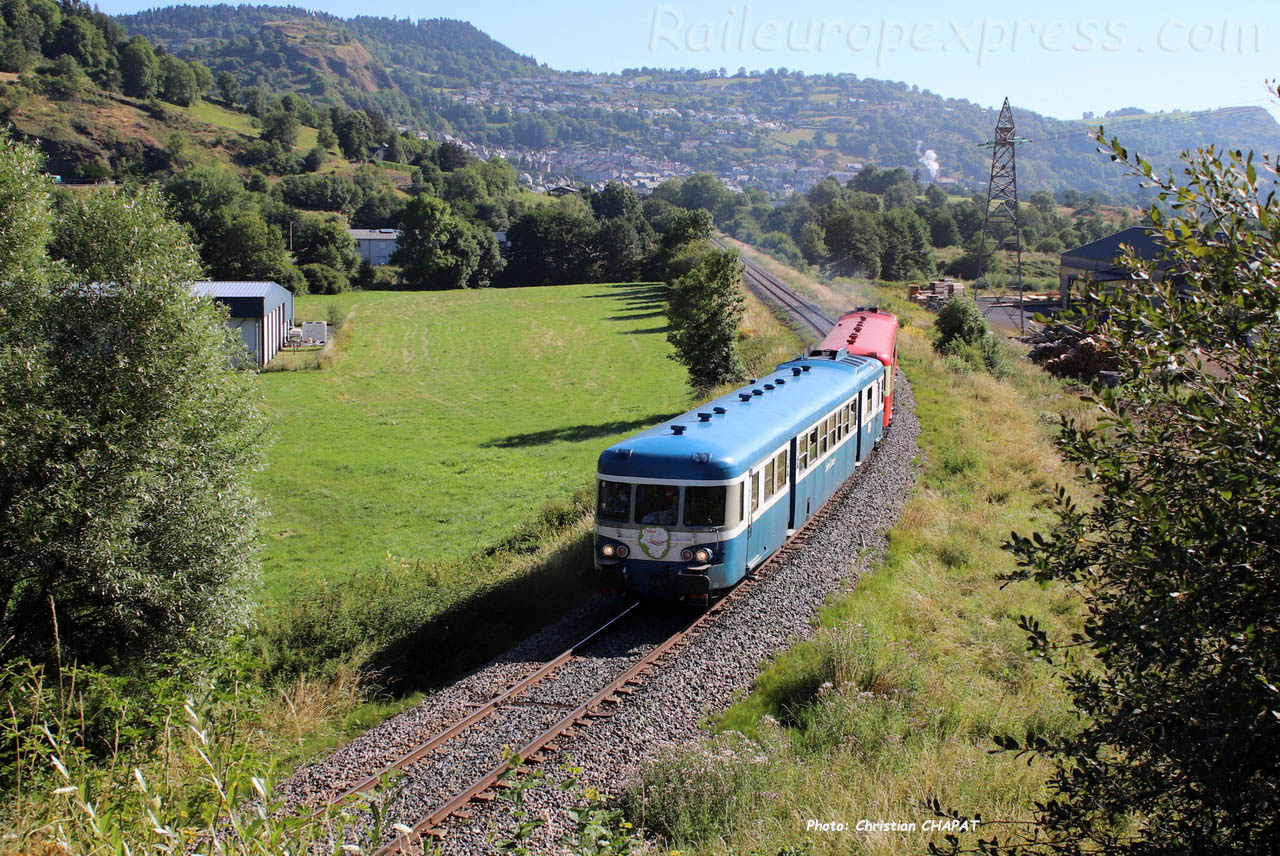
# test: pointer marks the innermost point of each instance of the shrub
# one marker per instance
(963, 336)
(959, 319)
(322, 279)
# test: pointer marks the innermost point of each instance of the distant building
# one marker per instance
(1095, 262)
(375, 245)
(260, 312)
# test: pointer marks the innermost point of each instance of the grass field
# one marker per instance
(221, 117)
(450, 418)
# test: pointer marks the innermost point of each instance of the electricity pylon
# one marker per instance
(1000, 225)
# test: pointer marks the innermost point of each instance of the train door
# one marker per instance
(855, 412)
(757, 534)
(791, 489)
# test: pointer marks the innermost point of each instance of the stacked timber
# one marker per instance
(1065, 350)
(933, 295)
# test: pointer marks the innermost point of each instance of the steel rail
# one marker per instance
(485, 710)
(776, 291)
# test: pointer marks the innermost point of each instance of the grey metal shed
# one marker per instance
(260, 312)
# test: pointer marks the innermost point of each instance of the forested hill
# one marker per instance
(396, 64)
(767, 128)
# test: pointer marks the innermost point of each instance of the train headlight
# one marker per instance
(623, 551)
(703, 555)
(686, 555)
(607, 551)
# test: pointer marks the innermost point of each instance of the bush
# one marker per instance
(963, 336)
(959, 319)
(322, 279)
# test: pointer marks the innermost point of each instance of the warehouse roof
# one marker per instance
(233, 288)
(375, 234)
(1108, 248)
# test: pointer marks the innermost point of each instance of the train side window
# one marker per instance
(615, 502)
(704, 506)
(802, 454)
(780, 471)
(768, 480)
(813, 447)
(755, 491)
(733, 506)
(822, 436)
(831, 430)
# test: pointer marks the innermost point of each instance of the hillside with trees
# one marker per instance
(447, 77)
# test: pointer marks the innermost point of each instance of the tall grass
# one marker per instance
(897, 699)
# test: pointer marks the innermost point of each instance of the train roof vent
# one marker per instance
(795, 371)
(720, 410)
(677, 430)
(757, 391)
(768, 386)
(744, 396)
(704, 417)
(780, 381)
(805, 368)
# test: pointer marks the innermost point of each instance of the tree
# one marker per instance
(138, 68)
(1043, 201)
(281, 127)
(66, 78)
(854, 239)
(904, 246)
(703, 190)
(177, 81)
(203, 78)
(125, 439)
(706, 306)
(1177, 555)
(325, 240)
(355, 134)
(228, 88)
(439, 250)
(554, 245)
(613, 200)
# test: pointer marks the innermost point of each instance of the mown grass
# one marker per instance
(897, 699)
(452, 418)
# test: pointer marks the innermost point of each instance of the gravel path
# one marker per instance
(669, 707)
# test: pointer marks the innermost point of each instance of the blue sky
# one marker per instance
(1060, 59)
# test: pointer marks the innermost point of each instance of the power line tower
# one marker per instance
(1000, 230)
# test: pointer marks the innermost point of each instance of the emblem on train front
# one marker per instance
(655, 542)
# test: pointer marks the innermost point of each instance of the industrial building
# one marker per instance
(260, 313)
(1094, 264)
(375, 245)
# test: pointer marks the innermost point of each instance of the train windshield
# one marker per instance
(615, 502)
(704, 506)
(657, 503)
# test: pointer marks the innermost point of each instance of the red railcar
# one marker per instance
(870, 332)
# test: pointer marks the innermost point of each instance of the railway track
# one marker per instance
(575, 715)
(773, 290)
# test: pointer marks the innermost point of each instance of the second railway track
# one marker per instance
(773, 290)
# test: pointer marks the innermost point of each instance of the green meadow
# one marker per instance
(445, 420)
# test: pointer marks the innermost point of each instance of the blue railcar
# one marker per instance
(694, 504)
